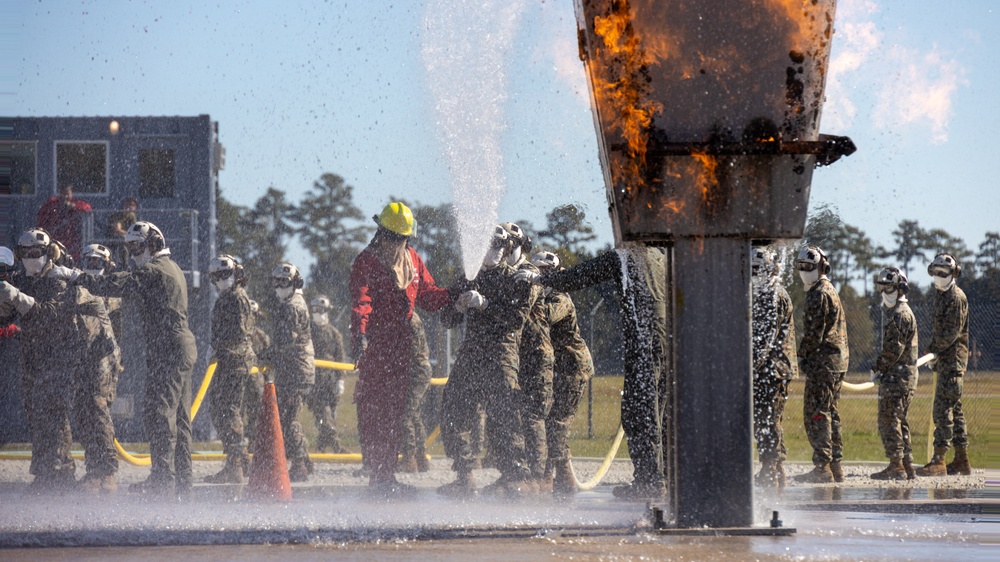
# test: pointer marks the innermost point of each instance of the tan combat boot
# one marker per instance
(300, 470)
(936, 467)
(231, 473)
(407, 464)
(766, 476)
(463, 487)
(96, 484)
(563, 480)
(960, 464)
(779, 471)
(894, 471)
(837, 471)
(911, 474)
(821, 474)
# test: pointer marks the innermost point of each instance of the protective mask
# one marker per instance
(34, 266)
(942, 283)
(94, 272)
(142, 258)
(889, 299)
(493, 258)
(284, 293)
(224, 285)
(320, 318)
(514, 257)
(809, 278)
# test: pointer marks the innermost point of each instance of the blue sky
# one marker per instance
(314, 87)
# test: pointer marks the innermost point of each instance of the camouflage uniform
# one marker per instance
(253, 387)
(412, 443)
(823, 358)
(485, 374)
(950, 342)
(325, 396)
(573, 368)
(640, 276)
(96, 384)
(897, 365)
(291, 363)
(160, 293)
(774, 365)
(232, 328)
(535, 378)
(47, 377)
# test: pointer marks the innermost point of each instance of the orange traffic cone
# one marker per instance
(269, 471)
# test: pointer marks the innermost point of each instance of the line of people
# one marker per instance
(822, 357)
(522, 361)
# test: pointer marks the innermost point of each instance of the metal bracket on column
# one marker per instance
(828, 149)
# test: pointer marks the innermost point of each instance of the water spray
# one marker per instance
(465, 51)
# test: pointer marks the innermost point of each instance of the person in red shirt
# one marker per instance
(7, 328)
(61, 217)
(387, 279)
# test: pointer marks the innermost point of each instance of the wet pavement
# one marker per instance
(926, 520)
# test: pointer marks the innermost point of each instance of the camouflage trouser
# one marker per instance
(253, 396)
(323, 402)
(821, 416)
(893, 405)
(769, 396)
(535, 379)
(567, 390)
(47, 398)
(291, 398)
(421, 373)
(225, 400)
(93, 395)
(490, 383)
(166, 405)
(642, 417)
(949, 420)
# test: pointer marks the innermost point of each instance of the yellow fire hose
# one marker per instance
(143, 459)
(140, 459)
(593, 482)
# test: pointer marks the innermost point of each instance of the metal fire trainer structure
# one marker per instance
(707, 116)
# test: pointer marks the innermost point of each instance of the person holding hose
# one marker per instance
(640, 276)
(158, 288)
(387, 280)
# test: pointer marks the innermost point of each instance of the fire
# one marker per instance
(706, 180)
(665, 72)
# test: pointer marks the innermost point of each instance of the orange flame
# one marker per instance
(633, 41)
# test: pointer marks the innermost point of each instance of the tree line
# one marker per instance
(330, 226)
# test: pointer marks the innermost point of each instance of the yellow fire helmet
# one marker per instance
(398, 218)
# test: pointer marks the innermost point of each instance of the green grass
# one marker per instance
(858, 416)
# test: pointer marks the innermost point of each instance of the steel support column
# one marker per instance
(709, 406)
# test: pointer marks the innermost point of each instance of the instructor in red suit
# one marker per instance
(61, 216)
(387, 279)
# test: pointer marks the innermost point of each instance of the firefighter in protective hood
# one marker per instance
(823, 358)
(159, 290)
(388, 279)
(950, 343)
(291, 364)
(485, 374)
(232, 328)
(895, 373)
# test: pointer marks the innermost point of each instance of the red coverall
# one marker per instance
(381, 312)
(63, 222)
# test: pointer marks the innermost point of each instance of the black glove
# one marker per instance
(359, 347)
